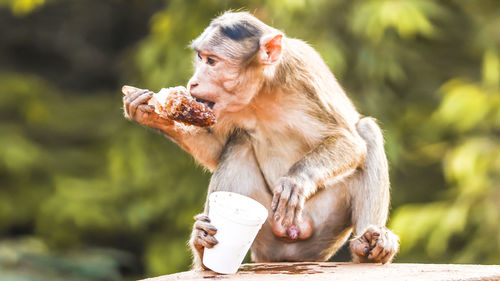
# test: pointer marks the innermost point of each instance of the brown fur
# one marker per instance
(286, 135)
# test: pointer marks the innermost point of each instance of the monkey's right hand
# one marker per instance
(203, 234)
(136, 108)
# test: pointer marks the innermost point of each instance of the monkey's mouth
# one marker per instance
(208, 103)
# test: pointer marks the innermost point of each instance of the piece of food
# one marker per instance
(177, 104)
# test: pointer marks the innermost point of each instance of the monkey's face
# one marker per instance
(231, 56)
(222, 84)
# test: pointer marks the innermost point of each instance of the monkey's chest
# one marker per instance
(276, 154)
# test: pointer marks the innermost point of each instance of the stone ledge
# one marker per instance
(338, 271)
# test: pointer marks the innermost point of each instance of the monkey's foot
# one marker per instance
(377, 244)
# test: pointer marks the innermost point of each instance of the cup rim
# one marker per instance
(226, 211)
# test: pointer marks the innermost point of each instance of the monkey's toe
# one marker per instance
(360, 248)
(377, 244)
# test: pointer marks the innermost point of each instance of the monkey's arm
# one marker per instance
(337, 155)
(201, 143)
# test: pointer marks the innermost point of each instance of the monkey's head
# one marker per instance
(233, 57)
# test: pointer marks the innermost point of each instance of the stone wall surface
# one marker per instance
(335, 271)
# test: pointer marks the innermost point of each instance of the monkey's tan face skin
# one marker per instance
(220, 81)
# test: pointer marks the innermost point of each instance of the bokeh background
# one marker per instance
(87, 195)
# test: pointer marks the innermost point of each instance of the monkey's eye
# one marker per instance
(211, 61)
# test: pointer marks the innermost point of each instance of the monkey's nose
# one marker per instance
(192, 86)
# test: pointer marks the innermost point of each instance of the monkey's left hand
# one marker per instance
(288, 203)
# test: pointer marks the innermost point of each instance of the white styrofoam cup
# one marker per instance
(238, 219)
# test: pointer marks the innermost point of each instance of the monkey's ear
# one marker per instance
(270, 48)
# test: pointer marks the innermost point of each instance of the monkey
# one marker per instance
(287, 136)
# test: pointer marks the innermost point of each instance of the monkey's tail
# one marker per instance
(370, 198)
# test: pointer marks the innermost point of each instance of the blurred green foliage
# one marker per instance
(86, 195)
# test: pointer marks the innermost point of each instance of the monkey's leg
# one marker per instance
(238, 172)
(370, 201)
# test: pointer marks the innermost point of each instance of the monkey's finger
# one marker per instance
(276, 197)
(139, 101)
(209, 238)
(125, 112)
(377, 250)
(205, 226)
(291, 209)
(142, 98)
(298, 212)
(199, 242)
(128, 99)
(282, 203)
(376, 254)
(383, 255)
(371, 235)
(131, 97)
(388, 257)
(126, 90)
(202, 217)
(206, 241)
(374, 239)
(359, 246)
(288, 216)
(274, 203)
(146, 108)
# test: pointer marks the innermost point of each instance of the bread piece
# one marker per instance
(177, 104)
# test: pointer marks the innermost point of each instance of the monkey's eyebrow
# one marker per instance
(208, 54)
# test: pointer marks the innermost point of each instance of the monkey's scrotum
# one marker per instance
(300, 230)
(177, 104)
